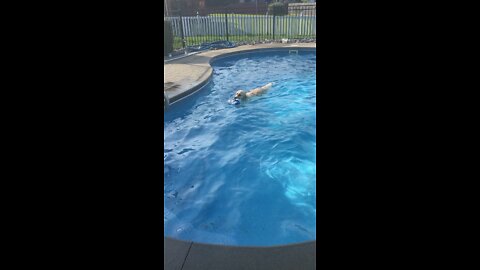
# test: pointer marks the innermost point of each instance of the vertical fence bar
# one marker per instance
(201, 36)
(207, 30)
(216, 30)
(252, 27)
(273, 26)
(257, 32)
(249, 26)
(181, 31)
(289, 29)
(262, 27)
(211, 30)
(226, 23)
(242, 18)
(304, 24)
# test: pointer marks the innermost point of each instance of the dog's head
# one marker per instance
(240, 94)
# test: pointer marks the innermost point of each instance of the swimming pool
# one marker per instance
(245, 174)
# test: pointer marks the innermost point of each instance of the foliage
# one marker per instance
(218, 3)
(278, 9)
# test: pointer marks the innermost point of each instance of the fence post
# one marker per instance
(226, 23)
(181, 30)
(273, 26)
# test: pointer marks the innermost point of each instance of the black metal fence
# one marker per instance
(190, 31)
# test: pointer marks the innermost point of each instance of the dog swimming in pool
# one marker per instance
(242, 95)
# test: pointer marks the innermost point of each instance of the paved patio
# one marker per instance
(185, 75)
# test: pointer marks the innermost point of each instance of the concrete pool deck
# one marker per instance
(186, 75)
(183, 255)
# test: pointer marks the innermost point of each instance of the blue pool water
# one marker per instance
(244, 174)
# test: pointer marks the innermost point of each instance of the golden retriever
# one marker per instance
(243, 95)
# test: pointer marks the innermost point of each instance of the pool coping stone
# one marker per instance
(187, 255)
(177, 253)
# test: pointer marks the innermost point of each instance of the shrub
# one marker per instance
(278, 9)
(167, 37)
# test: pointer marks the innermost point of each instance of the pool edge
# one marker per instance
(179, 254)
(205, 59)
